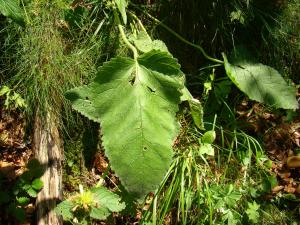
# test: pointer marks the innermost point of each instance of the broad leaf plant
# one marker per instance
(136, 100)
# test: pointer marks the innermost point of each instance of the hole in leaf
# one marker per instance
(86, 98)
(151, 90)
(145, 148)
(132, 80)
(241, 67)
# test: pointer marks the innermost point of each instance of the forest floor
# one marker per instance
(280, 136)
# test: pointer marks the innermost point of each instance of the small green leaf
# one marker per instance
(254, 192)
(208, 137)
(273, 181)
(20, 214)
(106, 203)
(232, 218)
(99, 213)
(237, 16)
(206, 149)
(4, 90)
(231, 195)
(19, 101)
(122, 4)
(195, 107)
(268, 183)
(70, 163)
(31, 192)
(290, 197)
(7, 102)
(207, 87)
(222, 89)
(17, 212)
(37, 184)
(65, 209)
(25, 187)
(268, 163)
(261, 83)
(35, 169)
(23, 200)
(144, 43)
(197, 113)
(252, 212)
(107, 199)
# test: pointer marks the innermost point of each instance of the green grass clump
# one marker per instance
(59, 48)
(45, 70)
(224, 188)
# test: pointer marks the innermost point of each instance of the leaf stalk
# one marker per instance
(180, 37)
(123, 36)
(126, 41)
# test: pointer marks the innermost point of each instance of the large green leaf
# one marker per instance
(261, 83)
(11, 8)
(136, 102)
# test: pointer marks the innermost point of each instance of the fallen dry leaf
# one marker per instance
(289, 189)
(100, 163)
(298, 189)
(7, 169)
(293, 162)
(277, 189)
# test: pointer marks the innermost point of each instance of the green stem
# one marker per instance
(154, 216)
(123, 35)
(180, 37)
(124, 38)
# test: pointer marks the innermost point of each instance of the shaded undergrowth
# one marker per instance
(231, 184)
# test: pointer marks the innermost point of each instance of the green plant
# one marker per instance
(40, 62)
(128, 95)
(215, 189)
(192, 193)
(12, 98)
(96, 203)
(136, 101)
(150, 85)
(136, 91)
(257, 81)
(206, 142)
(23, 192)
(261, 83)
(252, 212)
